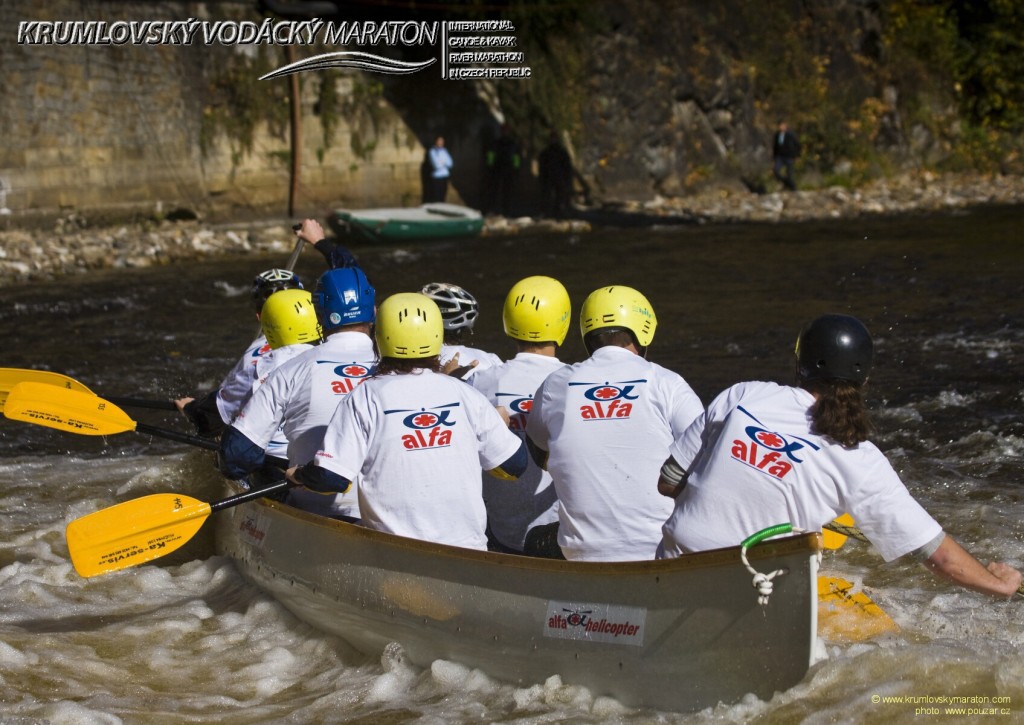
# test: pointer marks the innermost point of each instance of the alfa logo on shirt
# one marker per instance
(765, 449)
(608, 401)
(429, 428)
(259, 352)
(519, 408)
(351, 374)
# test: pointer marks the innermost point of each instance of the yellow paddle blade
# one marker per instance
(831, 538)
(9, 377)
(847, 616)
(133, 532)
(67, 410)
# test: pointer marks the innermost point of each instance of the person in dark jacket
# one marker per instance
(502, 162)
(785, 151)
(555, 170)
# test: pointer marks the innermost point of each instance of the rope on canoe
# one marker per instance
(852, 531)
(763, 581)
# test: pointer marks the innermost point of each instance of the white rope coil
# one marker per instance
(762, 581)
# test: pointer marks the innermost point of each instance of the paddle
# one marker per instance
(9, 377)
(83, 413)
(840, 529)
(848, 616)
(143, 529)
(835, 532)
(299, 244)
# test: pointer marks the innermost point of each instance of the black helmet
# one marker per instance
(835, 347)
(271, 281)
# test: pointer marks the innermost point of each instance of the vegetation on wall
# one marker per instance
(363, 108)
(237, 102)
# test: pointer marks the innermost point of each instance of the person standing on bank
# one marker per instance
(785, 152)
(536, 315)
(554, 169)
(439, 166)
(765, 454)
(602, 428)
(414, 438)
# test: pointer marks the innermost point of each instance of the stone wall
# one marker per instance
(119, 129)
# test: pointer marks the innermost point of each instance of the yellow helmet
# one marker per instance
(409, 325)
(619, 307)
(288, 317)
(537, 309)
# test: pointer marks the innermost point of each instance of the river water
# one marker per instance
(187, 640)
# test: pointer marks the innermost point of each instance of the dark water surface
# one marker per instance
(190, 640)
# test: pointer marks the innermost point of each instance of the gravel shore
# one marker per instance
(73, 248)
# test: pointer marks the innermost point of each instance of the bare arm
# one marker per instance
(953, 562)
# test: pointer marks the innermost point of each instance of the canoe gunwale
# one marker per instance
(810, 542)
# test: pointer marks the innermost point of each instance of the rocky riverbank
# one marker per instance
(73, 247)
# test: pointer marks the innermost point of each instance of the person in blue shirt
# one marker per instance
(439, 166)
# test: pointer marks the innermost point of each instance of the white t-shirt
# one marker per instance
(754, 463)
(300, 397)
(467, 355)
(607, 423)
(266, 364)
(514, 507)
(417, 443)
(236, 389)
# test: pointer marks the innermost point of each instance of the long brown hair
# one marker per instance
(406, 365)
(840, 412)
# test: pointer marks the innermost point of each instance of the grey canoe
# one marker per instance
(677, 635)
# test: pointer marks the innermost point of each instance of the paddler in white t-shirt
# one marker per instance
(211, 412)
(415, 438)
(536, 315)
(301, 396)
(765, 454)
(602, 428)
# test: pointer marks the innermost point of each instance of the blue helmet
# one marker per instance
(344, 297)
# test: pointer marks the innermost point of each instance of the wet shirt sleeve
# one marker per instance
(883, 508)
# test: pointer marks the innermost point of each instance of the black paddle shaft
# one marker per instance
(226, 503)
(139, 403)
(174, 435)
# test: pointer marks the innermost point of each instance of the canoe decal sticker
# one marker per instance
(595, 622)
(253, 529)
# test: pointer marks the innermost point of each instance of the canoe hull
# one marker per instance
(675, 635)
(430, 221)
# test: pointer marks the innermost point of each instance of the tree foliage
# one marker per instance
(977, 44)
